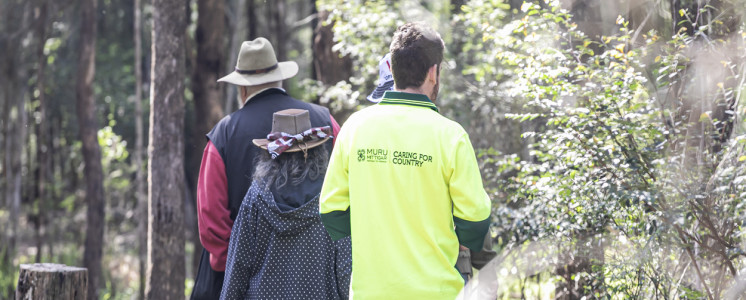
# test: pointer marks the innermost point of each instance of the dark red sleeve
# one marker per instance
(335, 129)
(212, 207)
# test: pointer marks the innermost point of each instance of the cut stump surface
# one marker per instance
(51, 281)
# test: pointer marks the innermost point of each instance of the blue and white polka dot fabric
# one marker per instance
(275, 254)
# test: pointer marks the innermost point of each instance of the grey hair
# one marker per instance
(290, 167)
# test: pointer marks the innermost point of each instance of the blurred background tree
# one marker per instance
(609, 134)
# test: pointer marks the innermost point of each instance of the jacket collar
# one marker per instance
(270, 90)
(402, 98)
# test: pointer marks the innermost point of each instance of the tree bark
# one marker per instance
(14, 18)
(140, 194)
(51, 281)
(329, 67)
(88, 128)
(280, 37)
(10, 135)
(209, 67)
(166, 270)
(239, 33)
(208, 97)
(42, 155)
(251, 12)
(210, 46)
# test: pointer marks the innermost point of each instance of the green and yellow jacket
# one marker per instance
(403, 181)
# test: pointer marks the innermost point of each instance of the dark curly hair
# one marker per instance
(415, 48)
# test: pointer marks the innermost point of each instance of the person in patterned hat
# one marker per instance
(278, 247)
(228, 159)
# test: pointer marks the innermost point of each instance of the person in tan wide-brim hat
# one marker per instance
(257, 69)
(229, 158)
(279, 249)
(258, 65)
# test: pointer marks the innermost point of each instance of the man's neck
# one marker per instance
(255, 92)
(411, 90)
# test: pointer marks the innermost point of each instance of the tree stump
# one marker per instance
(51, 281)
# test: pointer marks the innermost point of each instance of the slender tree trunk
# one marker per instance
(42, 156)
(88, 126)
(328, 66)
(239, 33)
(251, 12)
(279, 32)
(140, 194)
(457, 44)
(166, 270)
(207, 92)
(13, 74)
(314, 24)
(210, 40)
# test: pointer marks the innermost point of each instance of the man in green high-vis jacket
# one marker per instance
(403, 181)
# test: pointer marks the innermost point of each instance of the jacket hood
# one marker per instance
(291, 210)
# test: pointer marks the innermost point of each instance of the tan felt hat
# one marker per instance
(257, 64)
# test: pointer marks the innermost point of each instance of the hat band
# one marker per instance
(279, 142)
(257, 71)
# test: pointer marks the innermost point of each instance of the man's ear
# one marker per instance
(432, 74)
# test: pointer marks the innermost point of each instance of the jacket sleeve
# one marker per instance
(213, 215)
(334, 203)
(238, 271)
(471, 205)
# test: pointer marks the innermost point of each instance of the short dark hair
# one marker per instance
(415, 48)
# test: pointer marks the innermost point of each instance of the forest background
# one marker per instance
(610, 134)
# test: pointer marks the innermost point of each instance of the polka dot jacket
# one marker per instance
(277, 254)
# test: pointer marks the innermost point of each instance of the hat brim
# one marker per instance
(262, 143)
(378, 92)
(285, 70)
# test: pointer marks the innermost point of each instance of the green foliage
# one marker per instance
(620, 158)
(7, 283)
(362, 32)
(626, 166)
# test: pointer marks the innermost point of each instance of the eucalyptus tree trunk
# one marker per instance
(51, 281)
(42, 144)
(251, 13)
(279, 29)
(166, 270)
(14, 18)
(88, 129)
(210, 40)
(239, 33)
(14, 121)
(328, 66)
(140, 184)
(208, 95)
